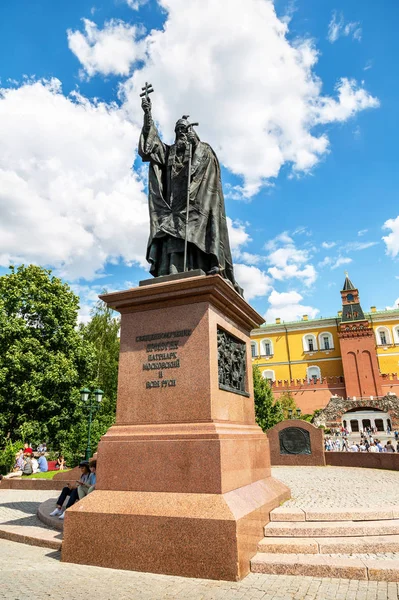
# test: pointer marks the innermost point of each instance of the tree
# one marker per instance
(288, 404)
(43, 358)
(102, 332)
(267, 411)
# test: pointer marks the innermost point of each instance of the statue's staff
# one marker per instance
(190, 154)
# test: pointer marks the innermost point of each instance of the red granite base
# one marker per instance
(210, 536)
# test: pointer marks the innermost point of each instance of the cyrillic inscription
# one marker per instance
(162, 355)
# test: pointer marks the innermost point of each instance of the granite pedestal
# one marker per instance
(183, 477)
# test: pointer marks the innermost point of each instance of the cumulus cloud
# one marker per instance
(392, 239)
(109, 51)
(238, 236)
(254, 91)
(254, 281)
(287, 306)
(68, 196)
(328, 245)
(287, 261)
(351, 99)
(338, 28)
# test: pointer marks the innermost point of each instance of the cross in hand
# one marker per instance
(147, 89)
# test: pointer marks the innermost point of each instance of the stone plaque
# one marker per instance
(232, 364)
(294, 440)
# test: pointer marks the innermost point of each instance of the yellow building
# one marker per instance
(305, 356)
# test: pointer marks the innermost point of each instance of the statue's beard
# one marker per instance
(181, 143)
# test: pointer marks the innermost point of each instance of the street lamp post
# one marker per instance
(86, 396)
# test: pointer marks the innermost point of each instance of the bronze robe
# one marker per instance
(207, 236)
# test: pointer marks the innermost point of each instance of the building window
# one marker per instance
(383, 336)
(349, 298)
(253, 349)
(313, 374)
(267, 348)
(269, 375)
(326, 341)
(309, 343)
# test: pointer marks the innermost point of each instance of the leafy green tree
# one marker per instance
(43, 357)
(288, 404)
(267, 411)
(102, 332)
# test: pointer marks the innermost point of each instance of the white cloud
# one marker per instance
(136, 4)
(109, 51)
(254, 281)
(362, 232)
(254, 92)
(328, 245)
(288, 262)
(351, 99)
(395, 305)
(341, 261)
(338, 28)
(68, 196)
(356, 246)
(392, 239)
(238, 236)
(325, 262)
(287, 306)
(369, 65)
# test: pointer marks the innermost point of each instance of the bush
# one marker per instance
(7, 456)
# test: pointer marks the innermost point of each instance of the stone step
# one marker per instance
(31, 535)
(302, 529)
(333, 545)
(43, 513)
(318, 565)
(286, 513)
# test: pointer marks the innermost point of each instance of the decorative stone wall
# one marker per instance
(331, 415)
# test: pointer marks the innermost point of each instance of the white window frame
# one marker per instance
(270, 372)
(388, 335)
(396, 334)
(330, 339)
(310, 377)
(254, 345)
(263, 347)
(305, 342)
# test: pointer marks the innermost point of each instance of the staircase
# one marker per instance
(361, 544)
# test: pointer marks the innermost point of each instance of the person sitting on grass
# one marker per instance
(17, 468)
(71, 491)
(60, 463)
(35, 464)
(88, 487)
(28, 465)
(42, 462)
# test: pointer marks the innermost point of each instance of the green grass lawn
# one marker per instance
(47, 475)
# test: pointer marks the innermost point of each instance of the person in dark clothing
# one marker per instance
(71, 491)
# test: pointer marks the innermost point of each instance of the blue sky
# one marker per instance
(299, 100)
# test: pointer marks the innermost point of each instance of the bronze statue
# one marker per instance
(188, 228)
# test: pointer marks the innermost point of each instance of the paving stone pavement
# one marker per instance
(339, 487)
(31, 573)
(18, 507)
